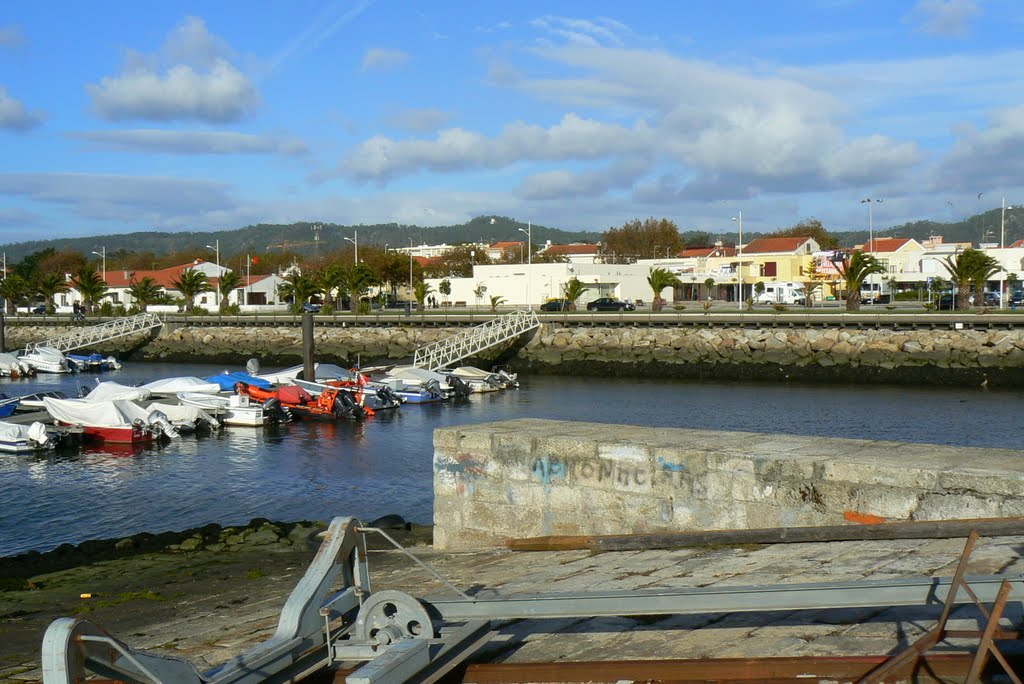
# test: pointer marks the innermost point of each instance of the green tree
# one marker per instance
(144, 292)
(13, 289)
(572, 291)
(190, 284)
(479, 292)
(48, 286)
(226, 284)
(420, 291)
(854, 269)
(759, 288)
(298, 288)
(659, 279)
(496, 301)
(649, 238)
(970, 268)
(90, 285)
(445, 288)
(458, 262)
(808, 228)
(709, 283)
(357, 281)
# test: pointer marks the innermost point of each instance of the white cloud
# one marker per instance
(455, 149)
(192, 142)
(383, 58)
(948, 18)
(10, 36)
(992, 157)
(200, 83)
(156, 201)
(591, 32)
(590, 183)
(15, 117)
(419, 120)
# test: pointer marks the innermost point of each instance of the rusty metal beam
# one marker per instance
(945, 667)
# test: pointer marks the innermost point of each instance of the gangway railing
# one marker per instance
(469, 342)
(95, 334)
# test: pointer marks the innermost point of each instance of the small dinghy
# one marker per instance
(21, 439)
(113, 391)
(46, 360)
(12, 367)
(331, 404)
(169, 387)
(236, 410)
(118, 421)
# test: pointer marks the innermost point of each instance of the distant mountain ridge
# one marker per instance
(300, 237)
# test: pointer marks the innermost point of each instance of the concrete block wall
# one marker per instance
(532, 477)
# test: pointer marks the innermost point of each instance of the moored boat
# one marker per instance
(236, 410)
(169, 387)
(118, 421)
(413, 376)
(331, 404)
(93, 363)
(12, 367)
(34, 401)
(112, 391)
(20, 439)
(46, 360)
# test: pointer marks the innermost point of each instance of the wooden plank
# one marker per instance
(930, 529)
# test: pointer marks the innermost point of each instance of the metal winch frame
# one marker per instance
(400, 638)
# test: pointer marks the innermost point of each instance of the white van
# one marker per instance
(781, 293)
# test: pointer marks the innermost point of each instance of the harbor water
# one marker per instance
(317, 470)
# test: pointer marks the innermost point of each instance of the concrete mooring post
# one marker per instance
(3, 330)
(307, 347)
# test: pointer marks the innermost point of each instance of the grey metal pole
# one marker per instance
(308, 350)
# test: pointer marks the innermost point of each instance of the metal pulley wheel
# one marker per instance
(388, 616)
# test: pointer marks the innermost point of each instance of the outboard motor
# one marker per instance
(508, 379)
(434, 387)
(388, 396)
(159, 418)
(462, 389)
(279, 413)
(37, 434)
(252, 366)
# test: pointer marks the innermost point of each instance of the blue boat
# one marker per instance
(7, 405)
(227, 381)
(96, 363)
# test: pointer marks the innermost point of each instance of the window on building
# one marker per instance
(769, 269)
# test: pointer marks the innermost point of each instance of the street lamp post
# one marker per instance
(355, 241)
(408, 304)
(103, 256)
(1002, 244)
(529, 260)
(216, 291)
(871, 238)
(739, 267)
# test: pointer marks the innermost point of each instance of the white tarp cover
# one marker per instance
(472, 373)
(179, 413)
(95, 413)
(282, 377)
(12, 432)
(171, 386)
(414, 374)
(9, 361)
(205, 400)
(111, 391)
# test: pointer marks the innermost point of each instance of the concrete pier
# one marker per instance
(531, 477)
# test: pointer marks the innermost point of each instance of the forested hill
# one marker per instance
(299, 238)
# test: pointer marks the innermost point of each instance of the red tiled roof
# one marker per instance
(707, 252)
(884, 244)
(508, 246)
(1018, 243)
(571, 249)
(774, 245)
(163, 277)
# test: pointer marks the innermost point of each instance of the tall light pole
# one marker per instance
(216, 291)
(317, 227)
(102, 256)
(355, 241)
(529, 262)
(1002, 243)
(871, 235)
(739, 268)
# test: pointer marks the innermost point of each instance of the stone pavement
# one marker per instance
(210, 621)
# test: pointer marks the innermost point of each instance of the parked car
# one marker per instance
(557, 305)
(41, 309)
(311, 307)
(610, 304)
(946, 301)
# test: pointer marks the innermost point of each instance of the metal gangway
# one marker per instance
(473, 341)
(94, 334)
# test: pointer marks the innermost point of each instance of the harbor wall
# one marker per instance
(532, 477)
(962, 356)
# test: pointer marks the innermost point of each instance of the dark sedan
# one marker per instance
(557, 305)
(610, 304)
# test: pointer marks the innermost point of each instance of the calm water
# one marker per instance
(319, 470)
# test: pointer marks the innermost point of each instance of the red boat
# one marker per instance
(330, 405)
(115, 422)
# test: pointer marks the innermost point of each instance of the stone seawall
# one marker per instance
(530, 477)
(967, 356)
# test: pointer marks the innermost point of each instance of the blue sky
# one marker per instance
(173, 116)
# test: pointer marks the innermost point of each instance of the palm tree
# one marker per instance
(48, 286)
(709, 283)
(420, 292)
(228, 282)
(144, 292)
(190, 284)
(13, 288)
(445, 288)
(854, 269)
(334, 279)
(90, 285)
(496, 301)
(970, 267)
(659, 279)
(299, 288)
(358, 280)
(572, 291)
